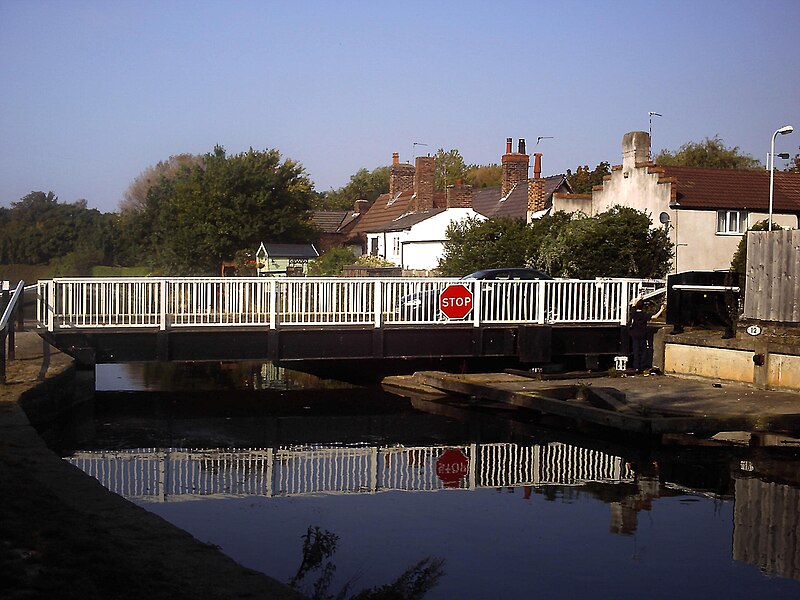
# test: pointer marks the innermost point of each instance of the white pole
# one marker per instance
(771, 176)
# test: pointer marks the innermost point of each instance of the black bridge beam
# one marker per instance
(527, 343)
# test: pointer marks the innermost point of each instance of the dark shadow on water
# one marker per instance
(316, 571)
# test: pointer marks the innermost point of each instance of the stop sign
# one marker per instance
(451, 467)
(456, 301)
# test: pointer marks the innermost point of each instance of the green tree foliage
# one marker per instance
(474, 244)
(583, 180)
(203, 215)
(363, 185)
(617, 243)
(135, 198)
(331, 263)
(39, 228)
(481, 176)
(711, 153)
(448, 168)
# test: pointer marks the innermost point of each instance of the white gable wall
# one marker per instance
(423, 244)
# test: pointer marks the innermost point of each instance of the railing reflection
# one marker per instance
(175, 474)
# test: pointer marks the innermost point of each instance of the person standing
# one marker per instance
(640, 339)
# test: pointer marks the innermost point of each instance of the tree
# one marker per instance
(39, 228)
(332, 262)
(448, 168)
(620, 242)
(711, 153)
(205, 214)
(481, 176)
(135, 198)
(474, 244)
(583, 180)
(363, 185)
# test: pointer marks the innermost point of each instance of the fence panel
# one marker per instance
(772, 282)
(209, 301)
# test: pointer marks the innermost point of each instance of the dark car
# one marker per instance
(511, 274)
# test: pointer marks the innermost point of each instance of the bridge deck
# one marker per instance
(119, 320)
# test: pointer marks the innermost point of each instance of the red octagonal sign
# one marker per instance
(456, 301)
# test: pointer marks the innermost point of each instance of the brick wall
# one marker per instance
(459, 195)
(401, 176)
(423, 184)
(514, 167)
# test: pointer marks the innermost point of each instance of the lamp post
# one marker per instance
(783, 131)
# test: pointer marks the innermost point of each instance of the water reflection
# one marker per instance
(176, 474)
(498, 498)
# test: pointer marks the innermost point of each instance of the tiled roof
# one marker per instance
(406, 221)
(329, 221)
(291, 250)
(488, 202)
(385, 209)
(733, 188)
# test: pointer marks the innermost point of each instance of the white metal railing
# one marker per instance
(174, 473)
(325, 301)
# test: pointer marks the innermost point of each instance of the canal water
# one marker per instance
(327, 484)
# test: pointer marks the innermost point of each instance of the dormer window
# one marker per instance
(731, 222)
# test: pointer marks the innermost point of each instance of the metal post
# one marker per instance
(476, 303)
(273, 303)
(163, 308)
(378, 294)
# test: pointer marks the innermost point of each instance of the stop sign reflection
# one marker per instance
(451, 467)
(456, 301)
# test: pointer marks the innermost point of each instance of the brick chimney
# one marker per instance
(401, 176)
(514, 166)
(361, 205)
(635, 149)
(459, 195)
(423, 184)
(536, 199)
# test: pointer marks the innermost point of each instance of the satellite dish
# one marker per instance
(664, 218)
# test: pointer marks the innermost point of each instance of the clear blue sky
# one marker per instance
(94, 92)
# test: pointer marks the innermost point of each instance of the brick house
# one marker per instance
(518, 195)
(706, 211)
(407, 225)
(337, 227)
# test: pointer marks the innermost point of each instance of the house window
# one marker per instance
(373, 246)
(397, 246)
(731, 222)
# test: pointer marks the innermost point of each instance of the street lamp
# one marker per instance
(786, 129)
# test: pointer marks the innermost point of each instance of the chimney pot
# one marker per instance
(395, 158)
(509, 141)
(537, 165)
(521, 145)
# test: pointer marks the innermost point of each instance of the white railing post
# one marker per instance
(378, 299)
(625, 302)
(162, 313)
(273, 303)
(541, 309)
(476, 303)
(51, 305)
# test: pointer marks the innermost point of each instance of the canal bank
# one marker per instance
(63, 535)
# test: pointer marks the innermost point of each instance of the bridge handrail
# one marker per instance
(7, 323)
(156, 302)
